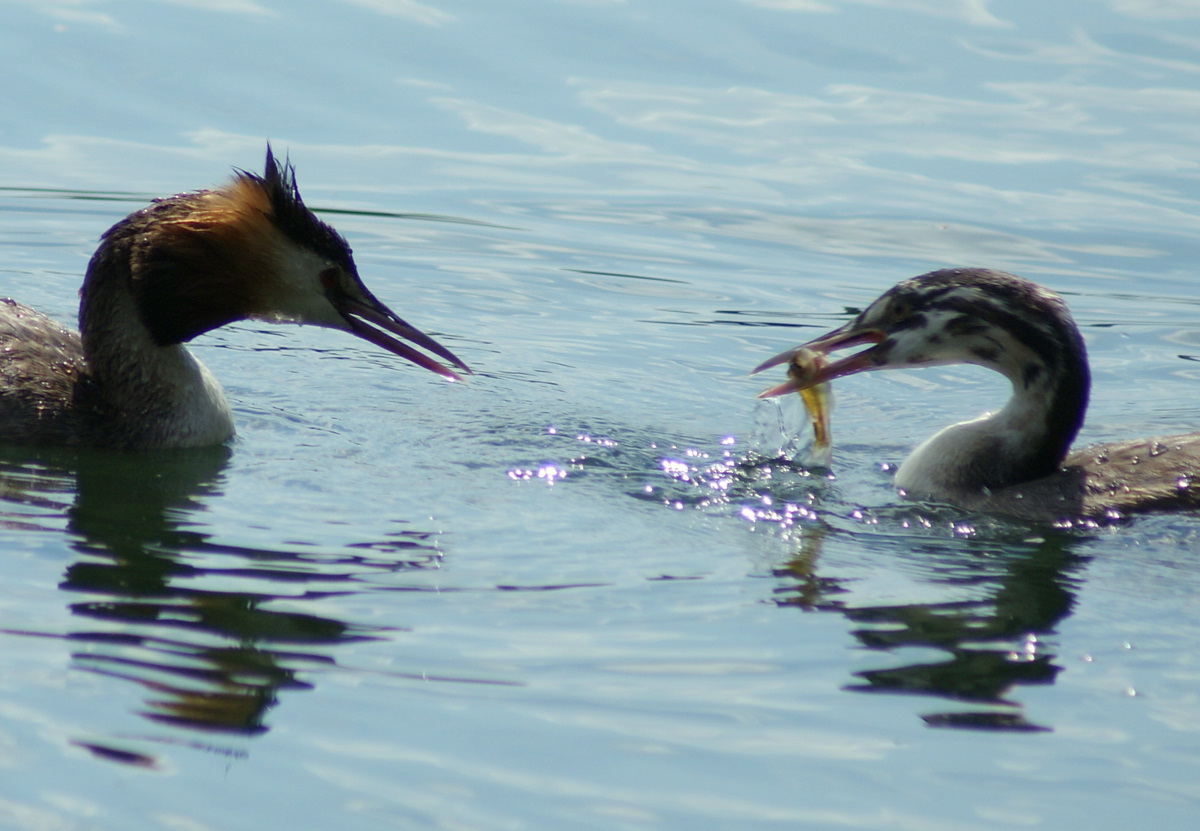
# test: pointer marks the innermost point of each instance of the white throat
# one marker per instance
(202, 416)
(965, 456)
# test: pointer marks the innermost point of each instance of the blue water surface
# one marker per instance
(581, 590)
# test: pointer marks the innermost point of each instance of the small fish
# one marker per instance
(818, 402)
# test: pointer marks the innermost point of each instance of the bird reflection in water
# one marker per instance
(993, 642)
(999, 595)
(209, 660)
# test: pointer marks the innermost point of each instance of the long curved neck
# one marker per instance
(140, 394)
(1026, 440)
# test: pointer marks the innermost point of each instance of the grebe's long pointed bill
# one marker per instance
(375, 322)
(842, 338)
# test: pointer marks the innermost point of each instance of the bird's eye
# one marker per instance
(331, 279)
(900, 309)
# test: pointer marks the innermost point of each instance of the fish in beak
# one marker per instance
(808, 366)
(810, 372)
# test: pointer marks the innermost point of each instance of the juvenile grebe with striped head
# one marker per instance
(163, 275)
(1016, 461)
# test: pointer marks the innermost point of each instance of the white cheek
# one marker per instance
(295, 293)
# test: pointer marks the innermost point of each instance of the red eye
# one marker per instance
(329, 279)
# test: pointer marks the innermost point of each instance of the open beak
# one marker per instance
(842, 338)
(372, 321)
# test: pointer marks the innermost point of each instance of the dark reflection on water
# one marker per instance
(1020, 581)
(993, 641)
(212, 660)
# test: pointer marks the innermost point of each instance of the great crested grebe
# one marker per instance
(163, 275)
(1016, 461)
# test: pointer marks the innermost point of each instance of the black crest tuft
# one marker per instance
(292, 216)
